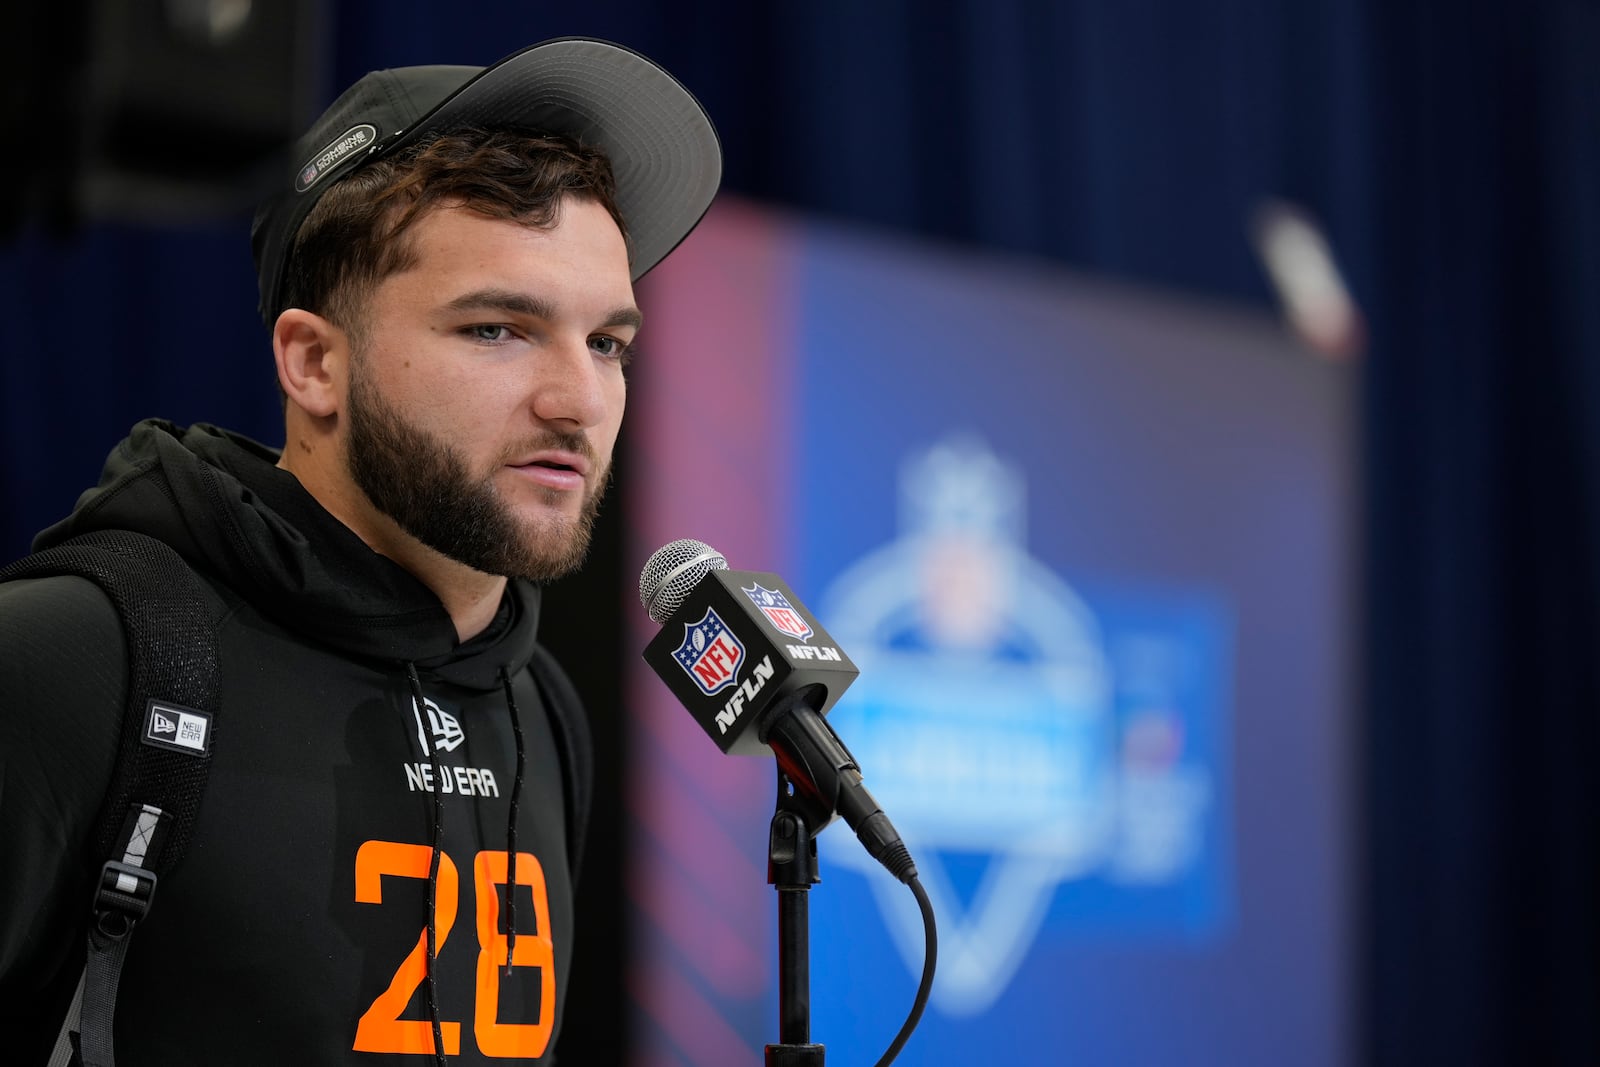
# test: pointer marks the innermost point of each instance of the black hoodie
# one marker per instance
(294, 929)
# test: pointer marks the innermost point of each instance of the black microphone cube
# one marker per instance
(740, 644)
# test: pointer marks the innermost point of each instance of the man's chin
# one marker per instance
(552, 548)
(556, 523)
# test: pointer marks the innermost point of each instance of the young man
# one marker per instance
(448, 280)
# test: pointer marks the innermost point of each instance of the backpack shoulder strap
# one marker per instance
(163, 754)
(574, 745)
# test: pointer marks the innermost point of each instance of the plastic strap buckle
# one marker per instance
(122, 897)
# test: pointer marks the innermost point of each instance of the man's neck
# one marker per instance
(472, 604)
(470, 597)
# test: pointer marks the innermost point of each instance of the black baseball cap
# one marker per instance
(664, 152)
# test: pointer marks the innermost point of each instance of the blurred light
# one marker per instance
(1312, 292)
(210, 22)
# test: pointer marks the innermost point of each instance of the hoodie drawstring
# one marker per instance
(430, 988)
(511, 828)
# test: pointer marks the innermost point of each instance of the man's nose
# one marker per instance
(568, 386)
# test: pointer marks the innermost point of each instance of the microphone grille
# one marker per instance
(672, 573)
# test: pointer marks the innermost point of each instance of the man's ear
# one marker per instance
(313, 357)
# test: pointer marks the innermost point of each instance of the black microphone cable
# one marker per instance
(930, 957)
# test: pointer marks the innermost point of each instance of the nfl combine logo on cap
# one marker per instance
(710, 653)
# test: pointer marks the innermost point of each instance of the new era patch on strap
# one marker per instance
(174, 726)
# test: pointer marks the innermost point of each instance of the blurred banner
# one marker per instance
(1091, 549)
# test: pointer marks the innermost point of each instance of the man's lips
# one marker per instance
(555, 458)
(553, 468)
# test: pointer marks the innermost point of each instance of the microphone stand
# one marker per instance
(792, 871)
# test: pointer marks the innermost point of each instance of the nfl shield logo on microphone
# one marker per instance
(779, 612)
(710, 653)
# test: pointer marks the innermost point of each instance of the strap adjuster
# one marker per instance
(122, 897)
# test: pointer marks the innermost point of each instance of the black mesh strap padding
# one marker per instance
(172, 655)
(172, 658)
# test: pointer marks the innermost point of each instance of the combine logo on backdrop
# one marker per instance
(779, 612)
(710, 653)
(995, 716)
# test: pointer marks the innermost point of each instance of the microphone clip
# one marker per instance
(791, 839)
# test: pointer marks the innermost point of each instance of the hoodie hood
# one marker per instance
(220, 500)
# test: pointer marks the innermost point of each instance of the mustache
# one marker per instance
(554, 440)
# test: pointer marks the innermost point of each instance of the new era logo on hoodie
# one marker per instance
(441, 727)
(439, 731)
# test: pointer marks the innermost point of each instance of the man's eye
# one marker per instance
(610, 347)
(488, 333)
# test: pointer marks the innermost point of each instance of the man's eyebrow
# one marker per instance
(507, 300)
(627, 315)
(515, 303)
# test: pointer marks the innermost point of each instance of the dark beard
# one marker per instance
(425, 486)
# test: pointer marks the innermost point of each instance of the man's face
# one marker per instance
(486, 389)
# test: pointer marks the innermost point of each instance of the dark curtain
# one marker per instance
(1450, 151)
(1483, 443)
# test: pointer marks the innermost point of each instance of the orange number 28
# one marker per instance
(382, 1030)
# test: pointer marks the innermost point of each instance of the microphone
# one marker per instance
(758, 673)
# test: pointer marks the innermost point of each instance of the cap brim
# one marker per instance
(663, 149)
